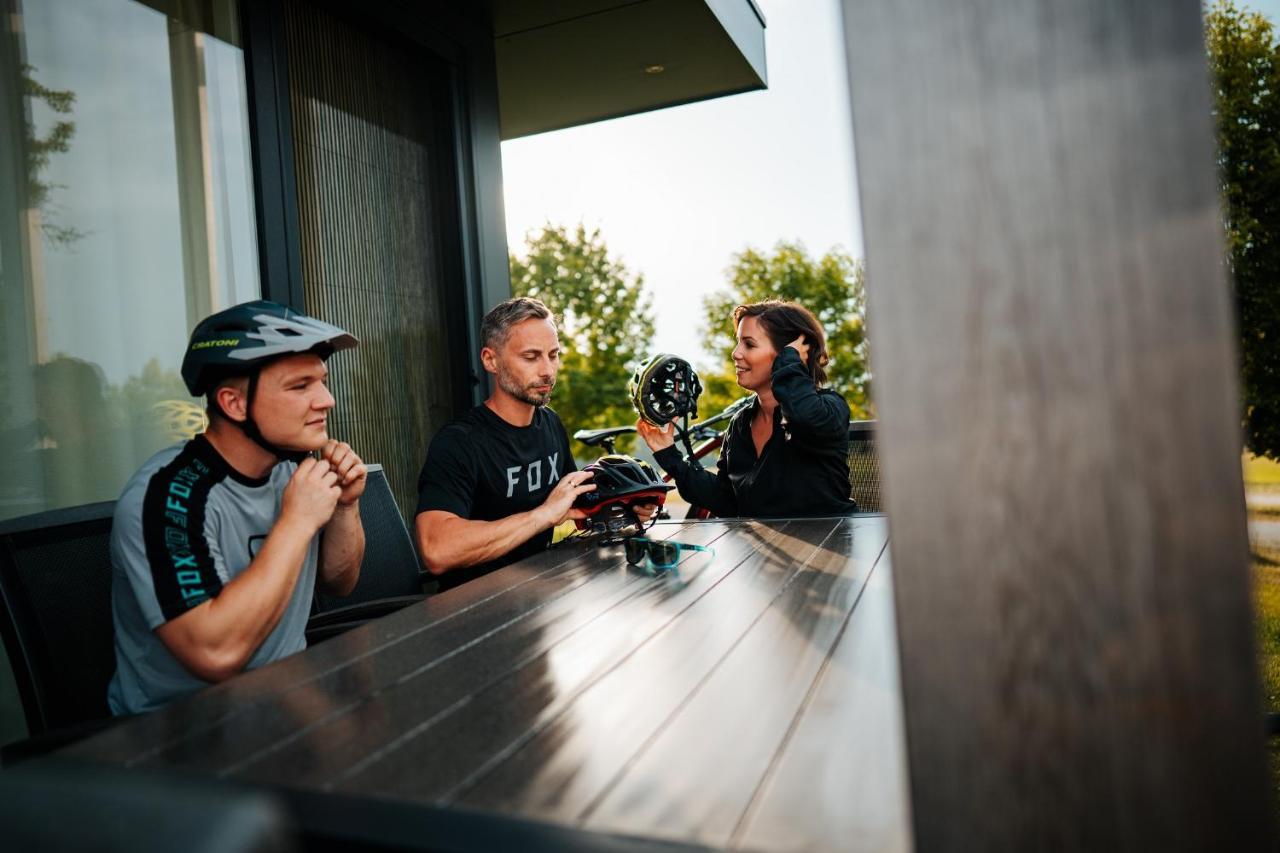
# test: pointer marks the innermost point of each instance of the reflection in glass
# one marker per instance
(126, 214)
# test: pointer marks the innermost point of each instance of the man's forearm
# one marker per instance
(447, 541)
(218, 638)
(342, 550)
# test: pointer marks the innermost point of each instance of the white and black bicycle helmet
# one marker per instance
(243, 338)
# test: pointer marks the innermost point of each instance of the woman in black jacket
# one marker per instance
(786, 454)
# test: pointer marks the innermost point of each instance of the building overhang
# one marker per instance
(563, 63)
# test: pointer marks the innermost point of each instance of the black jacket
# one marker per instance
(804, 469)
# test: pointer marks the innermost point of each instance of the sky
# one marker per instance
(1270, 8)
(677, 192)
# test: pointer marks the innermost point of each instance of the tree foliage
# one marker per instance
(831, 287)
(1245, 62)
(39, 150)
(606, 322)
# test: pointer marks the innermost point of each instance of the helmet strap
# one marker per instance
(682, 432)
(250, 427)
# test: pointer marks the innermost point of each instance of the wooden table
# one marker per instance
(748, 699)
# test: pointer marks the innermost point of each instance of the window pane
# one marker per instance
(126, 214)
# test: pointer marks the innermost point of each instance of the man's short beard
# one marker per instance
(523, 393)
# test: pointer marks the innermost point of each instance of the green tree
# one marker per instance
(39, 150)
(1245, 62)
(831, 287)
(606, 322)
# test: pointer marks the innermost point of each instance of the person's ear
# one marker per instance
(489, 359)
(233, 402)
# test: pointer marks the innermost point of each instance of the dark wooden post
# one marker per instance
(1055, 371)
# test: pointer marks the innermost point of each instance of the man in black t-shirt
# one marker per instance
(498, 479)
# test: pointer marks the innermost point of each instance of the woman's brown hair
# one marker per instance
(783, 322)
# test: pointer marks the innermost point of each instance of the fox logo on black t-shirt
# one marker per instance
(532, 474)
(482, 468)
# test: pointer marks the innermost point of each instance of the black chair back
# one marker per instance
(55, 582)
(391, 569)
(864, 466)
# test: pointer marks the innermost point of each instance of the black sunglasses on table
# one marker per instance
(661, 554)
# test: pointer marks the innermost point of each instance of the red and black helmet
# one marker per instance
(620, 482)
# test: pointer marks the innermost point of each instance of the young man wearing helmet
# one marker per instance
(215, 547)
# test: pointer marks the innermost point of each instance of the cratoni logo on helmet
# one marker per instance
(225, 342)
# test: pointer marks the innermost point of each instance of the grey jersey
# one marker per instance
(186, 524)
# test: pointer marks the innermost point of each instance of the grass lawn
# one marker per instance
(563, 531)
(1261, 472)
(1266, 592)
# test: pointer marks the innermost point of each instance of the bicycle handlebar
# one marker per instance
(702, 429)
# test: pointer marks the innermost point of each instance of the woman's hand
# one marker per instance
(801, 348)
(658, 438)
(644, 512)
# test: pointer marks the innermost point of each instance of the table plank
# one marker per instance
(695, 779)
(840, 781)
(466, 744)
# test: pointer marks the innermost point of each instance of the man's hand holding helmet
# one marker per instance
(559, 504)
(623, 483)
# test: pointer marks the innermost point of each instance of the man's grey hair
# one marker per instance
(496, 326)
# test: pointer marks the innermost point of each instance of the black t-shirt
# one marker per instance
(482, 468)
